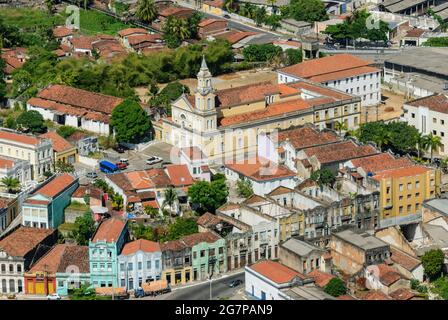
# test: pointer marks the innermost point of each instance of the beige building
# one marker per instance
(37, 151)
(228, 122)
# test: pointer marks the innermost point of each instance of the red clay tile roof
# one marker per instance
(6, 163)
(179, 175)
(89, 190)
(23, 240)
(415, 33)
(39, 202)
(215, 3)
(140, 245)
(62, 258)
(254, 199)
(275, 271)
(376, 295)
(260, 169)
(207, 22)
(208, 220)
(307, 136)
(56, 185)
(344, 74)
(174, 245)
(402, 294)
(228, 206)
(325, 65)
(74, 97)
(235, 36)
(280, 190)
(83, 42)
(62, 31)
(196, 238)
(380, 162)
(345, 297)
(319, 89)
(59, 143)
(137, 39)
(387, 274)
(436, 102)
(20, 138)
(128, 31)
(403, 259)
(109, 230)
(175, 11)
(245, 94)
(307, 183)
(141, 179)
(193, 153)
(320, 278)
(401, 172)
(340, 151)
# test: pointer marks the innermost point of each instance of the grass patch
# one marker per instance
(94, 22)
(78, 206)
(27, 18)
(67, 226)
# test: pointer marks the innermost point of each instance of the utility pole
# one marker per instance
(211, 262)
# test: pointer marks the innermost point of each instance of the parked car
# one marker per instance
(124, 160)
(235, 283)
(139, 293)
(92, 175)
(54, 296)
(119, 149)
(153, 160)
(121, 165)
(226, 16)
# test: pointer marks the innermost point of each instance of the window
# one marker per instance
(148, 264)
(140, 265)
(11, 268)
(157, 264)
(19, 268)
(409, 186)
(122, 267)
(413, 115)
(409, 208)
(202, 253)
(130, 266)
(442, 121)
(401, 209)
(434, 120)
(400, 187)
(3, 268)
(417, 184)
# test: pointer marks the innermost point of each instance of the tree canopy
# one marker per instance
(244, 188)
(306, 10)
(323, 177)
(208, 196)
(433, 261)
(335, 287)
(31, 121)
(261, 52)
(85, 227)
(130, 122)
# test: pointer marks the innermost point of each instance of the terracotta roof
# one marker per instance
(275, 271)
(345, 297)
(193, 153)
(74, 97)
(38, 202)
(196, 238)
(254, 199)
(436, 102)
(141, 179)
(380, 162)
(387, 275)
(260, 169)
(20, 138)
(89, 190)
(62, 31)
(280, 190)
(320, 278)
(376, 295)
(402, 294)
(137, 39)
(56, 185)
(325, 65)
(401, 172)
(235, 36)
(23, 240)
(403, 259)
(175, 11)
(109, 230)
(179, 175)
(321, 90)
(128, 31)
(140, 245)
(307, 136)
(344, 74)
(244, 94)
(307, 183)
(151, 203)
(210, 21)
(415, 33)
(208, 220)
(215, 3)
(61, 258)
(175, 245)
(83, 42)
(340, 151)
(228, 206)
(59, 143)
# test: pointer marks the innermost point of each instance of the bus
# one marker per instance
(108, 167)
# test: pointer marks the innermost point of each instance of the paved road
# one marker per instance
(201, 291)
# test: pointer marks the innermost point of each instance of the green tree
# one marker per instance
(168, 94)
(11, 184)
(193, 22)
(261, 52)
(244, 188)
(65, 131)
(130, 122)
(432, 262)
(433, 143)
(85, 227)
(208, 196)
(335, 287)
(31, 121)
(260, 16)
(273, 21)
(292, 56)
(117, 202)
(323, 177)
(307, 10)
(139, 231)
(150, 211)
(170, 198)
(61, 166)
(181, 227)
(436, 42)
(146, 10)
(340, 126)
(176, 28)
(3, 87)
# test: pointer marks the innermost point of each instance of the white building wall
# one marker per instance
(255, 286)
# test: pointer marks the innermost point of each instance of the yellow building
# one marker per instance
(227, 122)
(63, 151)
(213, 7)
(403, 191)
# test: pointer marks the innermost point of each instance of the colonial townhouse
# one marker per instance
(176, 259)
(302, 256)
(344, 72)
(140, 262)
(228, 122)
(9, 210)
(15, 168)
(19, 249)
(44, 207)
(104, 249)
(37, 151)
(74, 107)
(63, 151)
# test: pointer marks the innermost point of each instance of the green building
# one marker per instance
(208, 254)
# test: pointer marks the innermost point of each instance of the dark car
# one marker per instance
(119, 149)
(121, 165)
(226, 16)
(235, 283)
(139, 293)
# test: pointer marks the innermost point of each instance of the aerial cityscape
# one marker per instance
(223, 150)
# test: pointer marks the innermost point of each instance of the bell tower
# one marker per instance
(205, 98)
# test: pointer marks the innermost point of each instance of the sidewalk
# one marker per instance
(199, 282)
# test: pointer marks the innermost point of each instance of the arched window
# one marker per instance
(3, 268)
(209, 103)
(4, 285)
(11, 268)
(19, 286)
(19, 268)
(208, 83)
(12, 285)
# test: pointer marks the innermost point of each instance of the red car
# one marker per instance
(121, 165)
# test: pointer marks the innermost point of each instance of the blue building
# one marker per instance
(104, 249)
(44, 208)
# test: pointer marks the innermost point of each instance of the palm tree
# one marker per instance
(382, 139)
(421, 147)
(117, 202)
(340, 126)
(177, 27)
(170, 198)
(11, 183)
(433, 142)
(146, 10)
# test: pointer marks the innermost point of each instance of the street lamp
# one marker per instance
(211, 262)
